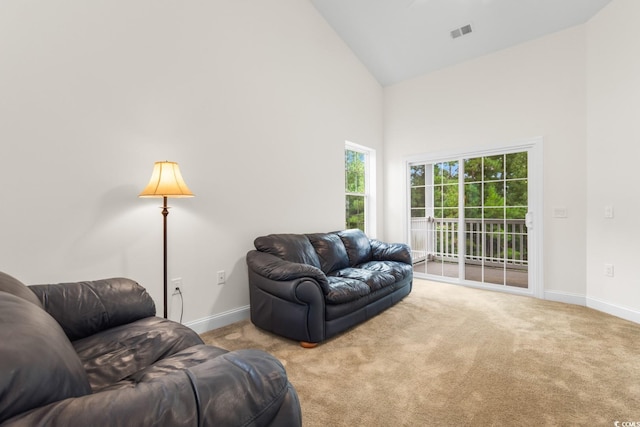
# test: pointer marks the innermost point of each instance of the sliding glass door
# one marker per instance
(470, 217)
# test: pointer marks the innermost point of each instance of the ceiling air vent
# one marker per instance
(462, 31)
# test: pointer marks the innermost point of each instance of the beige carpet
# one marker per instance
(454, 356)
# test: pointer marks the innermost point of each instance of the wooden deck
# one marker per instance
(514, 277)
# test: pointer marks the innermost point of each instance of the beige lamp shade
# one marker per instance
(166, 181)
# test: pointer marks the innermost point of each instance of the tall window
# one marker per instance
(359, 181)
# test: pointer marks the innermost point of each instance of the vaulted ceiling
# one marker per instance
(401, 39)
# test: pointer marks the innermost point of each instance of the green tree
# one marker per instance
(354, 172)
(354, 178)
(495, 187)
(417, 175)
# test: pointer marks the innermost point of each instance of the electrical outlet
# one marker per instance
(222, 277)
(175, 285)
(608, 270)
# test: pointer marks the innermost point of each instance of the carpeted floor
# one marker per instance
(455, 356)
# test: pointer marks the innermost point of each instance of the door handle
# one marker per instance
(528, 220)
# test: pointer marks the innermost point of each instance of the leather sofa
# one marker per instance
(310, 287)
(94, 354)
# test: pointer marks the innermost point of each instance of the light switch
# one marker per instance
(608, 211)
(560, 212)
(608, 270)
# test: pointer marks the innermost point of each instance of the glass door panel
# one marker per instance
(480, 201)
(434, 218)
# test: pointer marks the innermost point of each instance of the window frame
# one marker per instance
(369, 186)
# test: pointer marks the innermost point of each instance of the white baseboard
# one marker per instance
(219, 320)
(615, 310)
(565, 297)
(603, 306)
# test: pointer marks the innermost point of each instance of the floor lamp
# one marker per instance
(166, 181)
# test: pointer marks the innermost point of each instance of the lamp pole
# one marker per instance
(165, 212)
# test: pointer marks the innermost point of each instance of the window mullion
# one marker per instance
(462, 238)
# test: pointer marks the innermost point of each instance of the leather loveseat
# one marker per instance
(310, 287)
(94, 354)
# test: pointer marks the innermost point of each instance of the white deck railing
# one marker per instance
(488, 241)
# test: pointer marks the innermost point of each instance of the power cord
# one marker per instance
(179, 292)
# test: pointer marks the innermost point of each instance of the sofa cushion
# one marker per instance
(15, 287)
(114, 354)
(289, 247)
(38, 365)
(85, 308)
(357, 244)
(399, 270)
(374, 279)
(331, 251)
(343, 290)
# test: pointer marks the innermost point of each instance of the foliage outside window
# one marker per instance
(355, 170)
(495, 188)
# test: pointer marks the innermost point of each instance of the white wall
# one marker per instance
(253, 99)
(534, 89)
(613, 154)
(579, 89)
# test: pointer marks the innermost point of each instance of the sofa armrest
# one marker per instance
(168, 401)
(274, 268)
(197, 387)
(287, 298)
(382, 251)
(85, 308)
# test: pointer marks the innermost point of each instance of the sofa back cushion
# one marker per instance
(357, 244)
(38, 364)
(289, 247)
(15, 287)
(331, 251)
(86, 308)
